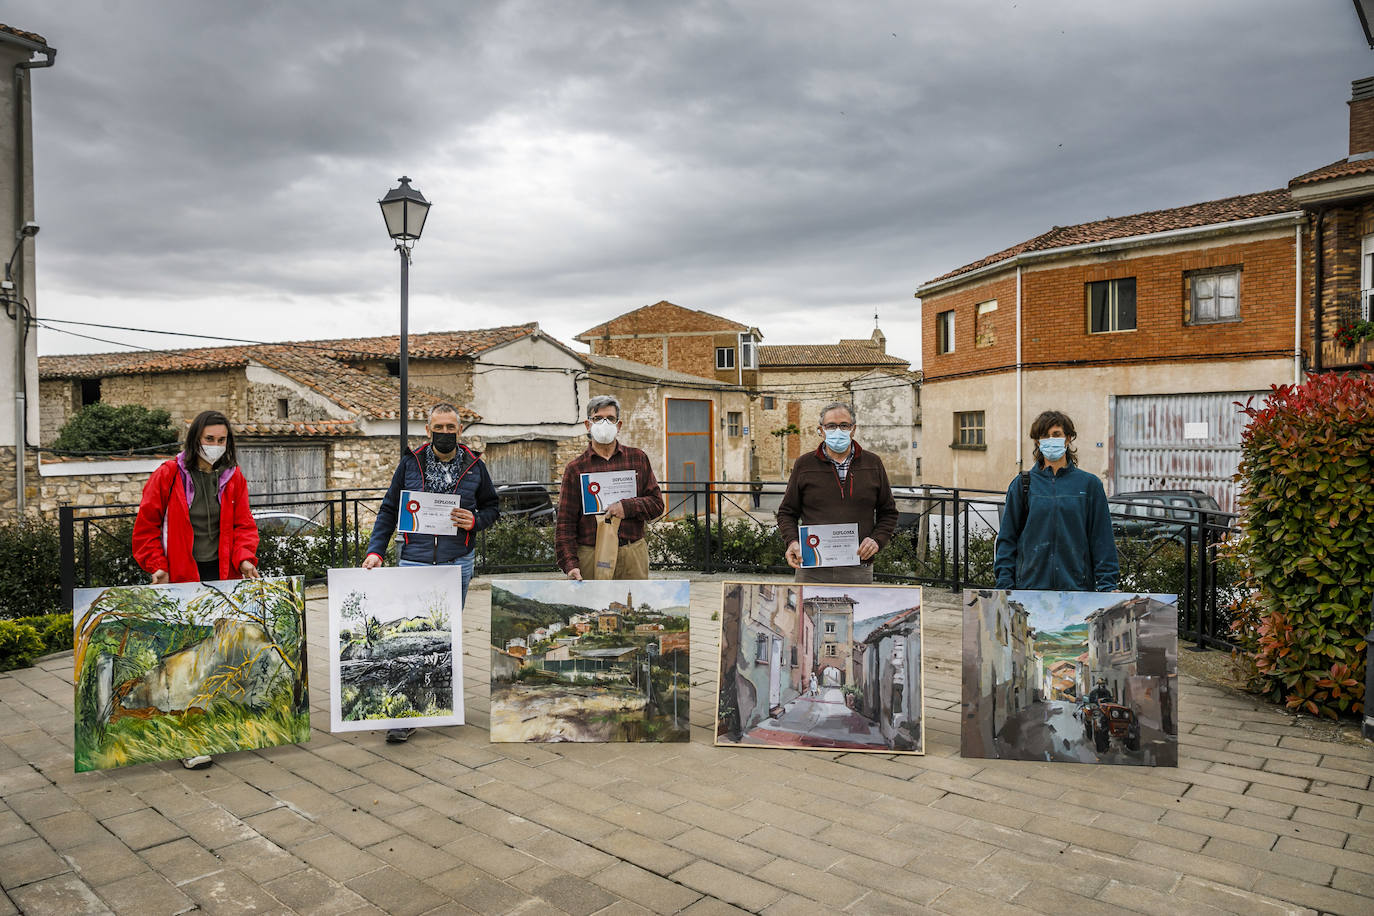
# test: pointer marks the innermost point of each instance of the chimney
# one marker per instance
(879, 340)
(1362, 116)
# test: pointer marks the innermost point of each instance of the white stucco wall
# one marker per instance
(551, 401)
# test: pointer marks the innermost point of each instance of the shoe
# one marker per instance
(196, 763)
(399, 735)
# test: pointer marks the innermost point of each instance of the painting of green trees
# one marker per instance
(170, 671)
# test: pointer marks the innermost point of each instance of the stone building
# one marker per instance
(325, 414)
(21, 53)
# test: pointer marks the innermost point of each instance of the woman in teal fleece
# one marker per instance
(1056, 532)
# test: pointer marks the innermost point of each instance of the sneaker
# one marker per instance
(196, 763)
(399, 735)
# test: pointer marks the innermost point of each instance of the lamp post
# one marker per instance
(404, 210)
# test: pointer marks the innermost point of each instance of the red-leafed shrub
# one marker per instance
(1307, 523)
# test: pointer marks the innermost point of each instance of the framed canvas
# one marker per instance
(396, 647)
(821, 667)
(170, 671)
(1080, 677)
(589, 661)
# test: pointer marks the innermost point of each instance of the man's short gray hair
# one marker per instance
(600, 401)
(838, 405)
(444, 407)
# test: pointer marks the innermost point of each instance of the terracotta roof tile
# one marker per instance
(661, 316)
(30, 36)
(799, 355)
(1342, 168)
(302, 428)
(1229, 209)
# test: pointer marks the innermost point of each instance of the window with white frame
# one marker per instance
(748, 351)
(831, 650)
(830, 626)
(725, 357)
(1111, 305)
(944, 332)
(969, 429)
(1214, 295)
(985, 324)
(1367, 278)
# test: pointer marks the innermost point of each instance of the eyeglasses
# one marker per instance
(831, 427)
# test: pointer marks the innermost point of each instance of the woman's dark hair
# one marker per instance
(197, 429)
(1041, 428)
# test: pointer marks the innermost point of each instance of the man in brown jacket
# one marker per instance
(839, 483)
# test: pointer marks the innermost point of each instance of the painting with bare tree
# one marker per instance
(170, 671)
(397, 647)
(1077, 677)
(821, 667)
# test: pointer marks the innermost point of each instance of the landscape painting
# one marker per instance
(590, 661)
(170, 671)
(821, 667)
(396, 656)
(1080, 677)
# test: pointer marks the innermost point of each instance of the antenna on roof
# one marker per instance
(875, 318)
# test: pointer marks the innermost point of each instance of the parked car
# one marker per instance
(528, 500)
(1159, 513)
(278, 522)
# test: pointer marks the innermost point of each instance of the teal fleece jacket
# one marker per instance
(1066, 544)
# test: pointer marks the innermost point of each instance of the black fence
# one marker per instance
(946, 538)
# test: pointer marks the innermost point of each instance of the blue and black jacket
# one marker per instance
(1062, 540)
(476, 492)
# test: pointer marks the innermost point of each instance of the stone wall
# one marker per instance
(100, 487)
(263, 403)
(32, 487)
(58, 399)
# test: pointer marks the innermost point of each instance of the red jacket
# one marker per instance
(162, 530)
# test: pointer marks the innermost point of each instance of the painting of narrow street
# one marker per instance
(590, 661)
(821, 667)
(1075, 677)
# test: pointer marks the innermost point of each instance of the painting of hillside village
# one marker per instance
(821, 667)
(397, 659)
(170, 671)
(1082, 677)
(589, 661)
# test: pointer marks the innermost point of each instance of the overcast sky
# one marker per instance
(214, 167)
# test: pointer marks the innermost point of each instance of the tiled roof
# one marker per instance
(301, 428)
(800, 355)
(614, 364)
(1229, 209)
(29, 36)
(1343, 168)
(660, 317)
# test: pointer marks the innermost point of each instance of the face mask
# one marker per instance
(837, 440)
(1053, 449)
(212, 453)
(604, 431)
(444, 442)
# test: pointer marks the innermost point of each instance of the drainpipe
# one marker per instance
(21, 325)
(1297, 304)
(1020, 445)
(1317, 280)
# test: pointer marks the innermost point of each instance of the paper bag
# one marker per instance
(607, 546)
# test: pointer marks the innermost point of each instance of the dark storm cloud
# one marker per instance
(800, 162)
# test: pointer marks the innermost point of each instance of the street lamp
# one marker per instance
(404, 210)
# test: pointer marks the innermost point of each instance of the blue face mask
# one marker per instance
(1053, 449)
(837, 440)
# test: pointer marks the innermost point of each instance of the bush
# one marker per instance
(1307, 539)
(516, 542)
(55, 630)
(19, 645)
(99, 427)
(30, 581)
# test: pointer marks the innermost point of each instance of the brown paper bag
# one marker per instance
(607, 546)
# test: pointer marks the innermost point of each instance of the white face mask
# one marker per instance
(604, 431)
(212, 453)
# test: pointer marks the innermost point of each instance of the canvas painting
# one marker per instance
(590, 661)
(170, 671)
(396, 647)
(1080, 677)
(821, 667)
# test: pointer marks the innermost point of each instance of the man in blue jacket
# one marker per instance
(442, 465)
(1056, 531)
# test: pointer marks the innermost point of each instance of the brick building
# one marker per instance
(1144, 329)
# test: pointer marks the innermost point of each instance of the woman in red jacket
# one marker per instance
(193, 522)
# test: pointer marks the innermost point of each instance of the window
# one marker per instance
(769, 403)
(831, 649)
(393, 368)
(761, 649)
(968, 429)
(1366, 277)
(283, 408)
(733, 421)
(944, 332)
(1111, 305)
(985, 324)
(90, 391)
(748, 352)
(1214, 296)
(794, 656)
(830, 626)
(725, 357)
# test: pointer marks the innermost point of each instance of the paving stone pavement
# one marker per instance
(1258, 818)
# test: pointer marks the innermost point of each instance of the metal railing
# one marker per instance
(945, 539)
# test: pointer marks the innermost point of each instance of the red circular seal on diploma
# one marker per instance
(813, 541)
(593, 488)
(413, 505)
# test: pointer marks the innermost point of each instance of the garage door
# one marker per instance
(1178, 442)
(283, 469)
(514, 462)
(689, 447)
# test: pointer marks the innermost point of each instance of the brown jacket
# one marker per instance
(816, 496)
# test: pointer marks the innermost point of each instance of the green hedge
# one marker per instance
(29, 566)
(1307, 523)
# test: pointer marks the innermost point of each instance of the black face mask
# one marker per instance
(444, 442)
